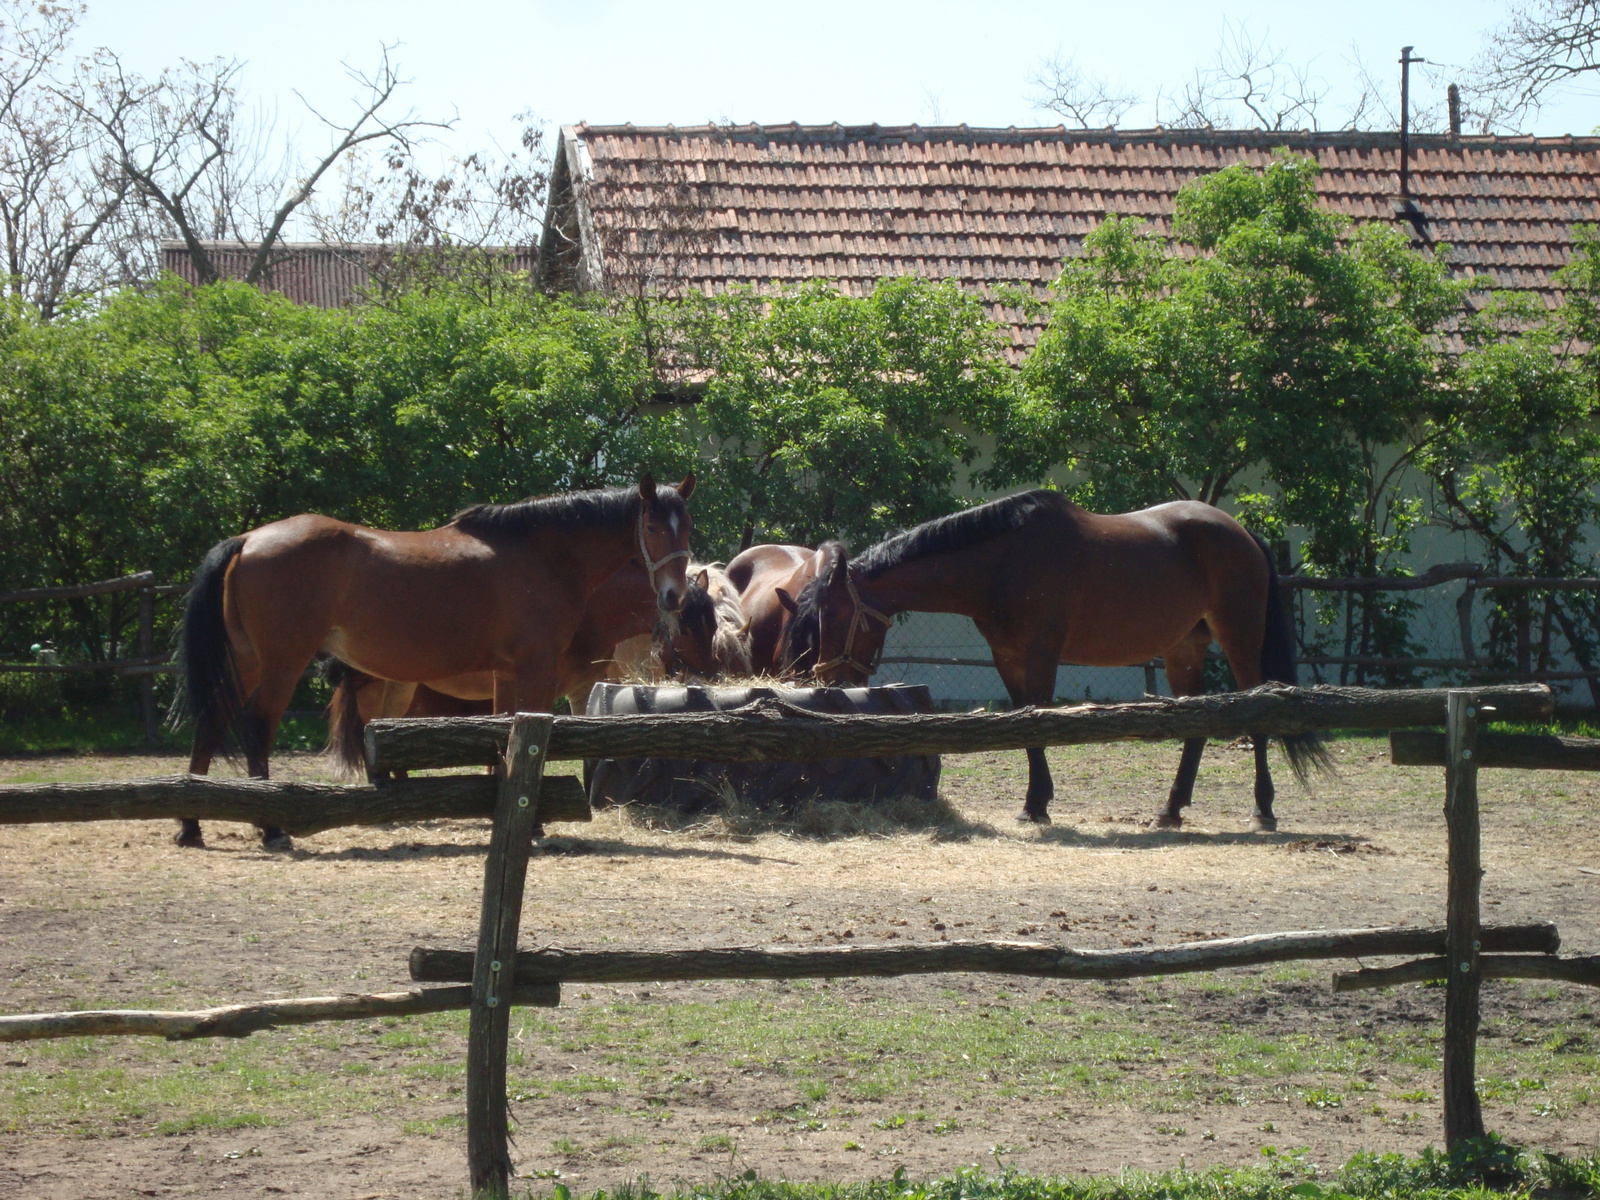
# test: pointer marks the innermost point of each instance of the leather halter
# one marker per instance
(858, 619)
(652, 564)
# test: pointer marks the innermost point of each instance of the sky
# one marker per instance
(852, 61)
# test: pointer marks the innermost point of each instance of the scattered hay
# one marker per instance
(732, 817)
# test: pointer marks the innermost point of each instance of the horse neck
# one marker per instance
(956, 582)
(594, 555)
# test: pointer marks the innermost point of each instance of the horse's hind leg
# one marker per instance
(1263, 820)
(1185, 665)
(261, 719)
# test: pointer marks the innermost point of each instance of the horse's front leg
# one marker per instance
(1030, 678)
(1185, 667)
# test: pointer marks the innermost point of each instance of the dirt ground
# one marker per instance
(826, 1079)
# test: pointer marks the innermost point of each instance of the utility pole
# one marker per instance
(1406, 60)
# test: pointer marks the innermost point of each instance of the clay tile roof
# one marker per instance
(719, 205)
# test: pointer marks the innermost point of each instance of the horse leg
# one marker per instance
(201, 752)
(1234, 630)
(1030, 678)
(262, 715)
(1185, 665)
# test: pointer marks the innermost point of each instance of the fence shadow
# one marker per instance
(1136, 838)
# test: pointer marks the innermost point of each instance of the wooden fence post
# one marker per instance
(494, 971)
(147, 651)
(1463, 1117)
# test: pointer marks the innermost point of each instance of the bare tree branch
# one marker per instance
(199, 161)
(1250, 83)
(1541, 45)
(1085, 101)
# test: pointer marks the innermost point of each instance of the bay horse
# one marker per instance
(1047, 582)
(500, 589)
(705, 637)
(761, 573)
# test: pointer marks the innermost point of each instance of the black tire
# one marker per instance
(691, 787)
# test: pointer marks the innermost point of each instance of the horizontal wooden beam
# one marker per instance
(768, 730)
(1001, 958)
(1529, 751)
(299, 808)
(1432, 577)
(72, 591)
(1584, 969)
(241, 1020)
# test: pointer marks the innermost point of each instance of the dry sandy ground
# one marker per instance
(691, 1081)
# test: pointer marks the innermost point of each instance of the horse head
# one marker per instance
(664, 528)
(832, 635)
(712, 636)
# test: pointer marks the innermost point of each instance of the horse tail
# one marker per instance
(346, 744)
(1278, 665)
(210, 693)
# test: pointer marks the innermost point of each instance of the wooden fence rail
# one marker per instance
(769, 730)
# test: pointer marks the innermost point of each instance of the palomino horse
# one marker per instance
(708, 641)
(765, 575)
(1046, 583)
(499, 589)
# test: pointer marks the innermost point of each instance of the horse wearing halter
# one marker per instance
(859, 613)
(651, 565)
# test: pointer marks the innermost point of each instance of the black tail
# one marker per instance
(210, 692)
(346, 745)
(1305, 750)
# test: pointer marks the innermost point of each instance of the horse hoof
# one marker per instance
(1033, 818)
(189, 841)
(278, 842)
(1260, 824)
(1168, 820)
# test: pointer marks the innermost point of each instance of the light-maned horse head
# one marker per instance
(712, 635)
(832, 635)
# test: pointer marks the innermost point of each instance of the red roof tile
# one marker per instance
(778, 204)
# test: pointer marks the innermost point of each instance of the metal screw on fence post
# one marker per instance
(522, 802)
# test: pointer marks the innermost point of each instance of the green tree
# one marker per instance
(828, 415)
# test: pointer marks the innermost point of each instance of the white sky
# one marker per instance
(854, 61)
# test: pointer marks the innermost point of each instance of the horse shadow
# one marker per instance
(562, 846)
(1080, 837)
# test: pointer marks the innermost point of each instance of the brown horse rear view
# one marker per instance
(768, 578)
(499, 589)
(1046, 583)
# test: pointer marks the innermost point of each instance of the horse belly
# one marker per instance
(1134, 629)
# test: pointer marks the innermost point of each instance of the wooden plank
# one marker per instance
(1432, 577)
(1577, 969)
(1527, 751)
(73, 591)
(769, 730)
(493, 985)
(241, 1020)
(1463, 1115)
(929, 958)
(299, 808)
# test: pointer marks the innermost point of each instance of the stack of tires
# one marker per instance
(780, 786)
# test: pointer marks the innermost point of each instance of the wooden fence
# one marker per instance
(498, 976)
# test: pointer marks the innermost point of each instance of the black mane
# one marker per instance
(597, 509)
(959, 530)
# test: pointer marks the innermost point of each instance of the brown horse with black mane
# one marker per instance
(500, 588)
(1046, 583)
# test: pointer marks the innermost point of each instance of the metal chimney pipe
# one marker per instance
(1405, 117)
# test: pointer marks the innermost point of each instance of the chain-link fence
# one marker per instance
(1448, 642)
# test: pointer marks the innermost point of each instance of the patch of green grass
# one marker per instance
(1482, 1171)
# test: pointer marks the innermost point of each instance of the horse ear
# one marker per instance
(703, 580)
(786, 600)
(686, 488)
(647, 488)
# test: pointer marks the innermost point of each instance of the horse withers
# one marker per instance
(499, 589)
(1047, 582)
